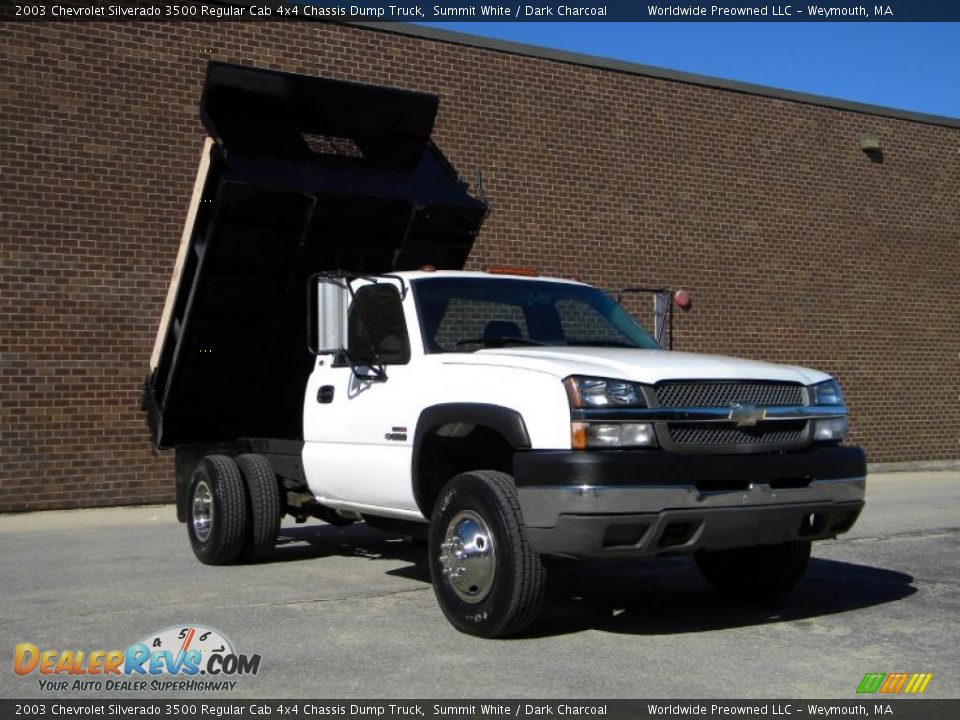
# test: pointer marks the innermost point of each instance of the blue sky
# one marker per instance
(913, 66)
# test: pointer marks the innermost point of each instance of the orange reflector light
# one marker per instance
(512, 270)
(573, 392)
(578, 436)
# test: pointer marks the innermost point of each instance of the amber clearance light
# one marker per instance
(512, 270)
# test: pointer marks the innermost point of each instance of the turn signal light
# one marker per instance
(584, 436)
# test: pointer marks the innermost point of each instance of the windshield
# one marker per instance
(467, 314)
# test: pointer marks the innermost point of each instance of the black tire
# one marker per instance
(217, 493)
(760, 572)
(508, 598)
(264, 507)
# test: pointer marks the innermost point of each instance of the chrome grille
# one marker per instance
(720, 394)
(715, 434)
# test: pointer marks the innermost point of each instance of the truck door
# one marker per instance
(358, 427)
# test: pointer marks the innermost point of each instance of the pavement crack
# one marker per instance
(344, 598)
(936, 581)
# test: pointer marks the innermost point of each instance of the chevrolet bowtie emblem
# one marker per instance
(746, 415)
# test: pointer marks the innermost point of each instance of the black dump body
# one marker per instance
(306, 174)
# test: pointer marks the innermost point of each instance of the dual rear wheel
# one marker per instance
(233, 509)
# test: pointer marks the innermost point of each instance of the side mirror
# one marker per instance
(328, 299)
(663, 313)
(662, 317)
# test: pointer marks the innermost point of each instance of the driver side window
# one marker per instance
(376, 329)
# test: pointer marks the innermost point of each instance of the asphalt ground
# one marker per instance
(349, 613)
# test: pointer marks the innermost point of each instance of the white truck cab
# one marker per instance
(302, 369)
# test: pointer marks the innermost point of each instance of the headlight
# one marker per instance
(591, 392)
(826, 393)
(828, 429)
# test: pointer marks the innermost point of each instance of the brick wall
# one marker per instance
(796, 247)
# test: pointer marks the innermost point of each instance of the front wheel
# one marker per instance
(764, 571)
(487, 579)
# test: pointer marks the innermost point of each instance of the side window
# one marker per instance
(376, 329)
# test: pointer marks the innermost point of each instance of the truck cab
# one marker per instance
(313, 361)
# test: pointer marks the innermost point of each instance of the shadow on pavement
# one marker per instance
(667, 596)
(661, 596)
(305, 542)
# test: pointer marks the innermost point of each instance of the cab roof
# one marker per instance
(428, 274)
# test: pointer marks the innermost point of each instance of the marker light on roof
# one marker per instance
(512, 270)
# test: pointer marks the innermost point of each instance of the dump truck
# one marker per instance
(323, 354)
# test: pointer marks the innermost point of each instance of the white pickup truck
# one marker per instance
(302, 368)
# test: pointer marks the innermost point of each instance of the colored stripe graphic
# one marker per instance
(919, 682)
(871, 682)
(894, 683)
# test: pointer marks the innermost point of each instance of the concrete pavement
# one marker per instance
(349, 613)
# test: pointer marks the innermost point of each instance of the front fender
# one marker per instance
(506, 421)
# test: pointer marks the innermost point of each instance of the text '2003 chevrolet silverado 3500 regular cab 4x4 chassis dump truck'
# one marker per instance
(305, 367)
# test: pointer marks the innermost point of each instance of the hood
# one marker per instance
(643, 366)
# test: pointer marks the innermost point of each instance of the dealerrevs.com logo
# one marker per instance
(187, 658)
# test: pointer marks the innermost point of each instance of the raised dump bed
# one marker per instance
(300, 174)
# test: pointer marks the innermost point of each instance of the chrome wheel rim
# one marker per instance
(202, 511)
(468, 557)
